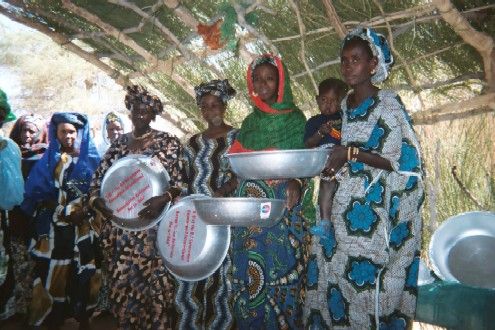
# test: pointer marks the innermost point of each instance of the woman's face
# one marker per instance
(66, 135)
(265, 82)
(28, 132)
(141, 117)
(356, 64)
(212, 109)
(114, 130)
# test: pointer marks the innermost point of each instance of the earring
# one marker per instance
(373, 71)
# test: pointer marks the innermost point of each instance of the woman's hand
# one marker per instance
(100, 206)
(293, 193)
(154, 206)
(337, 159)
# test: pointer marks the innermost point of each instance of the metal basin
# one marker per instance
(127, 184)
(240, 211)
(191, 250)
(279, 164)
(462, 249)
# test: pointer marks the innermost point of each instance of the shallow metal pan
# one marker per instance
(279, 164)
(127, 184)
(240, 211)
(462, 249)
(191, 249)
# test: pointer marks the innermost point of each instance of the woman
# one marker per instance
(64, 245)
(141, 289)
(206, 304)
(30, 134)
(364, 274)
(11, 190)
(112, 128)
(268, 263)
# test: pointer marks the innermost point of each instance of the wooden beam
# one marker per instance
(456, 110)
(165, 67)
(334, 19)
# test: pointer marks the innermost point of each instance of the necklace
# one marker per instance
(142, 137)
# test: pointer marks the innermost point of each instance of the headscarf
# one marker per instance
(138, 94)
(276, 126)
(36, 120)
(380, 48)
(112, 117)
(40, 182)
(5, 109)
(219, 88)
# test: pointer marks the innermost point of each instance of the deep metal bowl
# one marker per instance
(462, 249)
(240, 211)
(191, 250)
(279, 164)
(130, 182)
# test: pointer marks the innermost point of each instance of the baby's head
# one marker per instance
(330, 93)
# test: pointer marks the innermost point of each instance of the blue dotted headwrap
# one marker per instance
(380, 48)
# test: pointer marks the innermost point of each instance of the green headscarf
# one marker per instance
(5, 110)
(276, 126)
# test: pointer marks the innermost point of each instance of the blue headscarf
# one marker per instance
(40, 182)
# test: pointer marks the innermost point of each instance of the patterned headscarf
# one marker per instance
(112, 117)
(380, 48)
(40, 137)
(219, 88)
(5, 108)
(271, 126)
(137, 94)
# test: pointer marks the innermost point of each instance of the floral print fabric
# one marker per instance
(369, 264)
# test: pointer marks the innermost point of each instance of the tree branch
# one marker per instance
(456, 110)
(156, 64)
(482, 42)
(302, 54)
(334, 19)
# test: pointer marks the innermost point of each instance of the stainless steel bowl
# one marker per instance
(279, 164)
(462, 249)
(191, 249)
(127, 184)
(240, 211)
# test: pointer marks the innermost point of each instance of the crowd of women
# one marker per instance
(353, 264)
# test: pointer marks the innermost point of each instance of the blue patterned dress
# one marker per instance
(269, 263)
(207, 304)
(370, 264)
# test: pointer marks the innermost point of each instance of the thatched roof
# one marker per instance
(172, 45)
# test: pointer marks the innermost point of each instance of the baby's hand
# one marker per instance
(325, 128)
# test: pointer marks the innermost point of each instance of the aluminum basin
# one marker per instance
(279, 164)
(462, 249)
(240, 211)
(191, 250)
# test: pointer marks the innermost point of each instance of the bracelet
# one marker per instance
(169, 194)
(349, 153)
(327, 178)
(355, 153)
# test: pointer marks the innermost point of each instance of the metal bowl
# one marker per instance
(279, 164)
(462, 249)
(127, 184)
(240, 211)
(191, 250)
